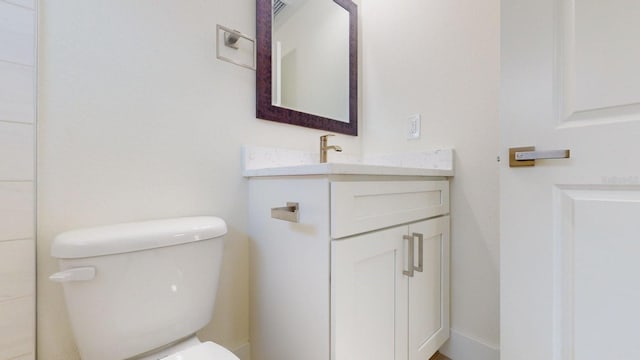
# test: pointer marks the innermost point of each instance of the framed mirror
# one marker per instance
(307, 66)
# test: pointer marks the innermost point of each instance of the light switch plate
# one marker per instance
(413, 127)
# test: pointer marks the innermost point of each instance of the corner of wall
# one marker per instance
(462, 347)
(243, 352)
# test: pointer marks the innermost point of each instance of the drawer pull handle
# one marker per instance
(420, 266)
(411, 266)
(290, 213)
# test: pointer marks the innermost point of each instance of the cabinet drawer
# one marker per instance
(362, 206)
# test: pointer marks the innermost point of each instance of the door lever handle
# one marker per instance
(527, 156)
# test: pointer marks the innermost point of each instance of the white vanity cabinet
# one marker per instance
(340, 283)
(378, 311)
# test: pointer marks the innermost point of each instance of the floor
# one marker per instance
(438, 356)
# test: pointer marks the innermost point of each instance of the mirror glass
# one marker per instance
(306, 63)
(310, 57)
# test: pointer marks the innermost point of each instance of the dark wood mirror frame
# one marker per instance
(264, 103)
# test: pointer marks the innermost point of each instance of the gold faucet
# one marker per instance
(324, 148)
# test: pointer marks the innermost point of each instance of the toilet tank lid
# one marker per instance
(135, 236)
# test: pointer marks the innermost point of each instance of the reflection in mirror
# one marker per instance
(311, 47)
(307, 63)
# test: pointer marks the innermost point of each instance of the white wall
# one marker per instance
(17, 134)
(440, 58)
(138, 120)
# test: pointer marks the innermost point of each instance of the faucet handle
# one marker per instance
(324, 137)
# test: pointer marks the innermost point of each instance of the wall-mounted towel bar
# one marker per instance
(231, 39)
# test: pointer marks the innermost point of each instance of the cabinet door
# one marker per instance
(429, 289)
(369, 296)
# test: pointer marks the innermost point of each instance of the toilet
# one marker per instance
(141, 290)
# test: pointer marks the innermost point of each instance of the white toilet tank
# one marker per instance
(131, 288)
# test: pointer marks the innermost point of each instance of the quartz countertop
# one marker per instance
(263, 161)
(345, 169)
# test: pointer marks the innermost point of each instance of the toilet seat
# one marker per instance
(204, 351)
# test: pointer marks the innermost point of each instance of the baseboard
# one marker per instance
(459, 347)
(462, 347)
(243, 351)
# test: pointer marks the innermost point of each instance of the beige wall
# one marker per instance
(441, 59)
(139, 120)
(17, 176)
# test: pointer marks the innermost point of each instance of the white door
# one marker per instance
(369, 296)
(570, 229)
(429, 288)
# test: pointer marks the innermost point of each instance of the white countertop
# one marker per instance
(263, 161)
(345, 169)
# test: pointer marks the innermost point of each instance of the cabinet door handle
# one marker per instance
(420, 237)
(409, 272)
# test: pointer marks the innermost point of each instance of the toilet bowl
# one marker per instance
(141, 290)
(190, 349)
